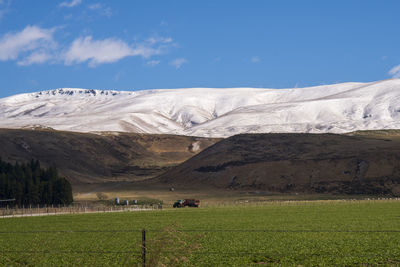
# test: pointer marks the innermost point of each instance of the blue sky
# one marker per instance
(133, 45)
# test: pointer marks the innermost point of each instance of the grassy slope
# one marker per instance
(323, 248)
(363, 162)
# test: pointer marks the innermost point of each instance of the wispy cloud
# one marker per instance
(102, 9)
(5, 2)
(395, 71)
(155, 40)
(153, 46)
(153, 63)
(118, 76)
(37, 57)
(3, 12)
(27, 44)
(36, 45)
(4, 7)
(177, 63)
(95, 6)
(255, 59)
(71, 3)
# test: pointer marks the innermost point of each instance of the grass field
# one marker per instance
(308, 233)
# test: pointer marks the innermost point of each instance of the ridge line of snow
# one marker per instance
(212, 112)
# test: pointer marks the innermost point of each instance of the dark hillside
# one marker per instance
(94, 158)
(361, 163)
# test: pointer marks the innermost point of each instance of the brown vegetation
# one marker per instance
(97, 158)
(361, 163)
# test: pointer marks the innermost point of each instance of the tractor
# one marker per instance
(187, 203)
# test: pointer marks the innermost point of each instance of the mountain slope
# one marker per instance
(93, 158)
(210, 112)
(366, 162)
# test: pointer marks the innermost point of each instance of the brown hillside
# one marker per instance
(362, 162)
(92, 158)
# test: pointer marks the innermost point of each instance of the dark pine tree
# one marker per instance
(30, 184)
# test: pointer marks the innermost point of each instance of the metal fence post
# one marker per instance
(144, 248)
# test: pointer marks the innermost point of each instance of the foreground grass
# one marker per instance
(321, 233)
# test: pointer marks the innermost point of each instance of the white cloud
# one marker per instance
(109, 50)
(29, 40)
(37, 57)
(146, 51)
(177, 63)
(395, 72)
(70, 3)
(153, 63)
(97, 51)
(36, 45)
(255, 59)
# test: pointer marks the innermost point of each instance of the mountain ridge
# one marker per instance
(210, 112)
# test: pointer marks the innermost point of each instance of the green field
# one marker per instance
(324, 233)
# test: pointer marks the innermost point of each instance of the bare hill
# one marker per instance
(359, 163)
(92, 158)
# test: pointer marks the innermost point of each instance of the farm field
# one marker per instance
(324, 233)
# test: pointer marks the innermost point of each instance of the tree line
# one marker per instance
(30, 184)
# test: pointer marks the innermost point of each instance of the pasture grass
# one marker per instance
(308, 233)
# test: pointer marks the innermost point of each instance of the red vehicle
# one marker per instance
(187, 202)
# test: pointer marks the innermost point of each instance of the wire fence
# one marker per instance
(294, 202)
(205, 231)
(43, 210)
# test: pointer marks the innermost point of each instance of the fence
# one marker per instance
(290, 202)
(42, 210)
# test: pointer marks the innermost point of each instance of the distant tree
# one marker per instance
(30, 184)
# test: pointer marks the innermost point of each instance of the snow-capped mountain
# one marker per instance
(210, 112)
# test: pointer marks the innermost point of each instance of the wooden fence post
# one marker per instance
(144, 248)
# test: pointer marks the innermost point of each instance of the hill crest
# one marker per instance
(210, 112)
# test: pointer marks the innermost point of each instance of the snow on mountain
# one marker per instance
(210, 112)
